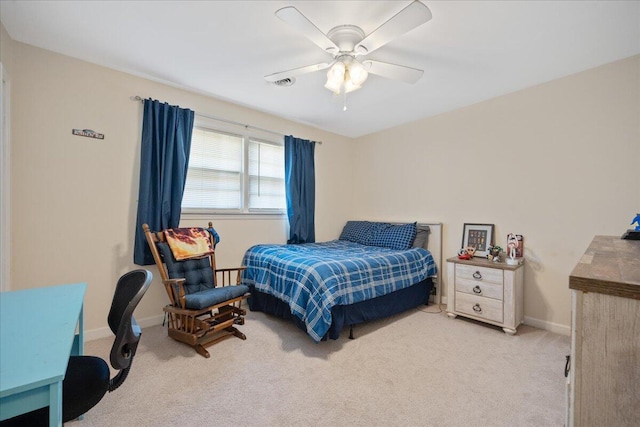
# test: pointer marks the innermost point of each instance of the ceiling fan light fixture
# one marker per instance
(350, 86)
(334, 85)
(336, 72)
(357, 73)
(346, 73)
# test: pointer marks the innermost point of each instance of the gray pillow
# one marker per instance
(422, 237)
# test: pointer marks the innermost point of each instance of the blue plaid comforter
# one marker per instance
(314, 277)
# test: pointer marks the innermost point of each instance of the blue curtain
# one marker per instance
(300, 182)
(164, 160)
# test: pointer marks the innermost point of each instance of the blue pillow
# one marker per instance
(357, 232)
(398, 237)
(360, 231)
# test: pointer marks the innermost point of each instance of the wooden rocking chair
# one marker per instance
(204, 303)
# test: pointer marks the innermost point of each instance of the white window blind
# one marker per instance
(234, 174)
(214, 178)
(266, 176)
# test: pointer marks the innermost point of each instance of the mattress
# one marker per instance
(313, 278)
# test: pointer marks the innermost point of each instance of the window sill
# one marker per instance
(234, 216)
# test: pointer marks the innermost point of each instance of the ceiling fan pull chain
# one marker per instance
(344, 106)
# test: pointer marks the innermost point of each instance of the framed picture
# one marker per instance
(520, 248)
(480, 236)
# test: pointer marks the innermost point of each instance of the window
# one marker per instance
(266, 176)
(234, 173)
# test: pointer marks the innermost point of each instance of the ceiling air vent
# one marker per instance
(289, 81)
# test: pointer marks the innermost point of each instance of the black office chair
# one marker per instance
(88, 378)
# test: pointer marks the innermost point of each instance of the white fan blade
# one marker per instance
(393, 71)
(296, 72)
(404, 21)
(297, 20)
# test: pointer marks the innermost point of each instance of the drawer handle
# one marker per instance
(477, 290)
(477, 275)
(477, 308)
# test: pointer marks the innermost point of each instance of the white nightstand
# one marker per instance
(492, 292)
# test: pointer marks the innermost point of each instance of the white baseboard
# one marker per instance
(548, 326)
(95, 334)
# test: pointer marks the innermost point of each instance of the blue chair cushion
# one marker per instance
(199, 286)
(209, 297)
(197, 273)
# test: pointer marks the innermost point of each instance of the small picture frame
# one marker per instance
(520, 248)
(479, 236)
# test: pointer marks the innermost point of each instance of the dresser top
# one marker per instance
(483, 262)
(609, 266)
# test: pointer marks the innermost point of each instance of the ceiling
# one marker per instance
(470, 51)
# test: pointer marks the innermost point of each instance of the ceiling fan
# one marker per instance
(347, 44)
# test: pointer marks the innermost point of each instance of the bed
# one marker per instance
(373, 270)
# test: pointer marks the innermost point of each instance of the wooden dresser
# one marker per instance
(604, 379)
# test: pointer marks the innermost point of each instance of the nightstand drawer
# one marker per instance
(481, 307)
(479, 274)
(481, 289)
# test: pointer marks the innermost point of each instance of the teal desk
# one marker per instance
(39, 330)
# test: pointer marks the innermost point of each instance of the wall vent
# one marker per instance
(289, 81)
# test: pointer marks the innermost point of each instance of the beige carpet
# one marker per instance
(414, 369)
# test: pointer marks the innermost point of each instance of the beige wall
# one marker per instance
(572, 147)
(74, 198)
(557, 163)
(6, 57)
(5, 49)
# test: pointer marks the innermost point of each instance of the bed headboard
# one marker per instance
(434, 245)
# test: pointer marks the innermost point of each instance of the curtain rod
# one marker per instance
(244, 125)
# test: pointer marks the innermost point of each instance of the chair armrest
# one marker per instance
(177, 296)
(231, 269)
(225, 276)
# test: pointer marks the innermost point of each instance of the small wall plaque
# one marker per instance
(88, 133)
